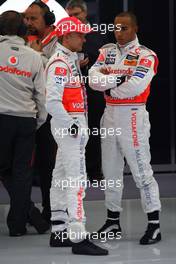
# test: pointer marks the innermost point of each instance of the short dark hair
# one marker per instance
(42, 5)
(12, 23)
(76, 3)
(129, 14)
(48, 15)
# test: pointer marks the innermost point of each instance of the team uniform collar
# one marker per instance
(47, 39)
(68, 52)
(129, 46)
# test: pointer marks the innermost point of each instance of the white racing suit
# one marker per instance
(66, 105)
(126, 90)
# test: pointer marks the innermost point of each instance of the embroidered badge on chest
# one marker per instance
(131, 60)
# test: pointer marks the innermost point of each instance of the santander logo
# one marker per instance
(13, 60)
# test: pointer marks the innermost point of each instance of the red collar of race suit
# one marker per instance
(46, 40)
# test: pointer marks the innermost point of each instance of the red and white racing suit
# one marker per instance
(131, 68)
(66, 105)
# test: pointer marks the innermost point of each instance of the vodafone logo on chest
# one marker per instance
(145, 62)
(13, 60)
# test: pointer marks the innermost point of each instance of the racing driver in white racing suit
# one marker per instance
(124, 71)
(66, 104)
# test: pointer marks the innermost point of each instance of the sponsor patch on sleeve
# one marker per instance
(142, 69)
(145, 62)
(139, 74)
(60, 71)
(101, 58)
(59, 79)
